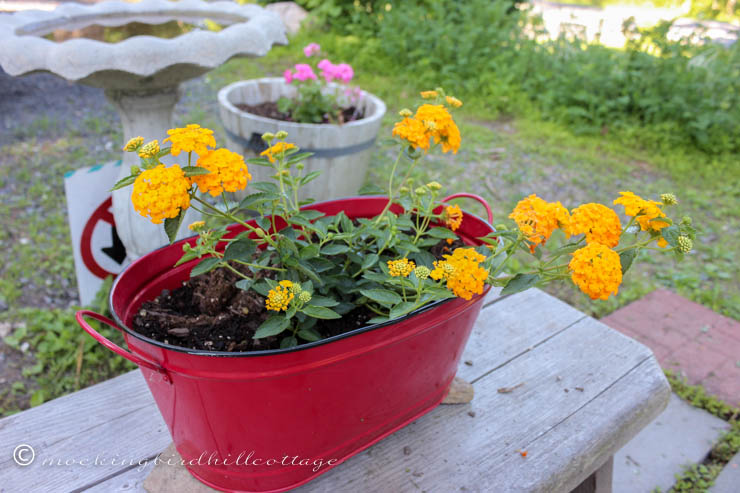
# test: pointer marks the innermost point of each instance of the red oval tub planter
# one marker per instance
(320, 402)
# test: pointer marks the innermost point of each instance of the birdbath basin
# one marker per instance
(139, 53)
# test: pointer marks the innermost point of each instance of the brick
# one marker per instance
(725, 382)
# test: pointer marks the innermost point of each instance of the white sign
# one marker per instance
(98, 252)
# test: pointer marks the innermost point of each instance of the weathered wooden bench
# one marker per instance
(557, 393)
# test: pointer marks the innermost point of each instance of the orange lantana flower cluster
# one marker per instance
(191, 138)
(227, 172)
(432, 122)
(537, 219)
(161, 193)
(599, 223)
(597, 270)
(462, 271)
(454, 217)
(647, 211)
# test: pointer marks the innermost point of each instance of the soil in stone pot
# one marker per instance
(269, 109)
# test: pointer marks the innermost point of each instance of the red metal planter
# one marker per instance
(270, 421)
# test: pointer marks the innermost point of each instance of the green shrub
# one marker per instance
(658, 92)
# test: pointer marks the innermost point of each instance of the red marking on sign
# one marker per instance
(102, 213)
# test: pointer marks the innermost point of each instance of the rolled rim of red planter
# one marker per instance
(114, 301)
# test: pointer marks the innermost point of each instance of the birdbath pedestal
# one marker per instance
(141, 74)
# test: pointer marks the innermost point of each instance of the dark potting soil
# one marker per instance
(209, 313)
(270, 109)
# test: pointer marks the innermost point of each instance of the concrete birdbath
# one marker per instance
(139, 53)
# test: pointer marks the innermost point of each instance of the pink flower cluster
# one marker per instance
(303, 71)
(311, 49)
(330, 72)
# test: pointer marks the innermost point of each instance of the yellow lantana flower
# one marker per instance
(644, 211)
(401, 267)
(538, 219)
(444, 128)
(161, 193)
(228, 172)
(599, 223)
(149, 150)
(429, 94)
(412, 131)
(279, 297)
(192, 138)
(465, 277)
(454, 217)
(454, 102)
(277, 150)
(133, 144)
(596, 270)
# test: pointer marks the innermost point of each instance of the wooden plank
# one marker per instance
(452, 451)
(509, 326)
(115, 421)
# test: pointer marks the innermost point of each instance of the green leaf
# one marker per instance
(265, 186)
(401, 309)
(569, 248)
(441, 233)
(300, 156)
(371, 189)
(671, 234)
(271, 327)
(264, 223)
(257, 198)
(288, 342)
(407, 245)
(309, 335)
(261, 287)
(244, 284)
(195, 171)
(334, 249)
(323, 301)
(382, 296)
(187, 256)
(241, 249)
(320, 312)
(626, 257)
(172, 225)
(311, 214)
(310, 177)
(520, 282)
(309, 251)
(307, 269)
(369, 260)
(124, 182)
(377, 320)
(205, 265)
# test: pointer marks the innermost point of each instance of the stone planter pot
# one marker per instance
(341, 152)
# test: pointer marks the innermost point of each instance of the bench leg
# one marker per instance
(600, 481)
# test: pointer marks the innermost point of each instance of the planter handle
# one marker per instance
(475, 197)
(80, 316)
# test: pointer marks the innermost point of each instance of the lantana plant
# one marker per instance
(309, 267)
(322, 96)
